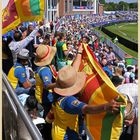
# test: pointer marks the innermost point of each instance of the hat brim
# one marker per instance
(47, 60)
(23, 57)
(77, 87)
(129, 109)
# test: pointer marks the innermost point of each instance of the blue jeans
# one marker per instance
(21, 90)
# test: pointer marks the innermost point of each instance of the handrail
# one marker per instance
(11, 102)
(34, 132)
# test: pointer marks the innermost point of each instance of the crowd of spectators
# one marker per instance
(108, 18)
(20, 49)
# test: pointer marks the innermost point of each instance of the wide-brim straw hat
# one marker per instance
(44, 55)
(69, 82)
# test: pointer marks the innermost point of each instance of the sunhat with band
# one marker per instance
(69, 82)
(44, 55)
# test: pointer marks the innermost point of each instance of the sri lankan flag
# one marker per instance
(98, 90)
(18, 11)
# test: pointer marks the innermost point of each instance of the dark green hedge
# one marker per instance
(129, 44)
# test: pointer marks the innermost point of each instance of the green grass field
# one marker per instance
(127, 50)
(126, 30)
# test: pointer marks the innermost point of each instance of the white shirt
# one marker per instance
(17, 46)
(131, 90)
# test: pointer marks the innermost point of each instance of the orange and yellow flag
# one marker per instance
(18, 11)
(98, 90)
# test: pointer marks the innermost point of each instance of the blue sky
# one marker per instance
(129, 1)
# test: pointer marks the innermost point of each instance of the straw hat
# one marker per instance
(130, 91)
(44, 55)
(69, 82)
(128, 113)
(129, 110)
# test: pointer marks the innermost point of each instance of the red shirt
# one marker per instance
(96, 45)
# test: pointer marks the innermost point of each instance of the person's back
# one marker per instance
(65, 123)
(40, 81)
(60, 52)
(13, 73)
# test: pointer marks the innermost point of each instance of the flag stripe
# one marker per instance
(28, 15)
(10, 17)
(117, 125)
(99, 90)
(94, 124)
(11, 26)
(35, 7)
(91, 88)
(18, 11)
(26, 10)
(9, 14)
(98, 68)
(104, 93)
(107, 126)
(98, 96)
(94, 90)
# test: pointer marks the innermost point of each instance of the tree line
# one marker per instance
(121, 6)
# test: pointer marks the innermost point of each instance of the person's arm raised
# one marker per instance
(77, 61)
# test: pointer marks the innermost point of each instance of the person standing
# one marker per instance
(62, 51)
(67, 107)
(45, 75)
(51, 26)
(18, 43)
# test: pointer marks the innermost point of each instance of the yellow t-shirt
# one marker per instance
(64, 47)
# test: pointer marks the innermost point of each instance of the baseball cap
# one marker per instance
(23, 54)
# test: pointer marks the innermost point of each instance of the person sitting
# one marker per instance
(17, 75)
(110, 55)
(118, 72)
(33, 109)
(108, 69)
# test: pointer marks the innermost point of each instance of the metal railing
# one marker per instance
(16, 122)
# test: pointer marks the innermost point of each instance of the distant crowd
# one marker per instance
(34, 58)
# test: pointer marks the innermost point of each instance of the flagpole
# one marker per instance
(46, 11)
(50, 10)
